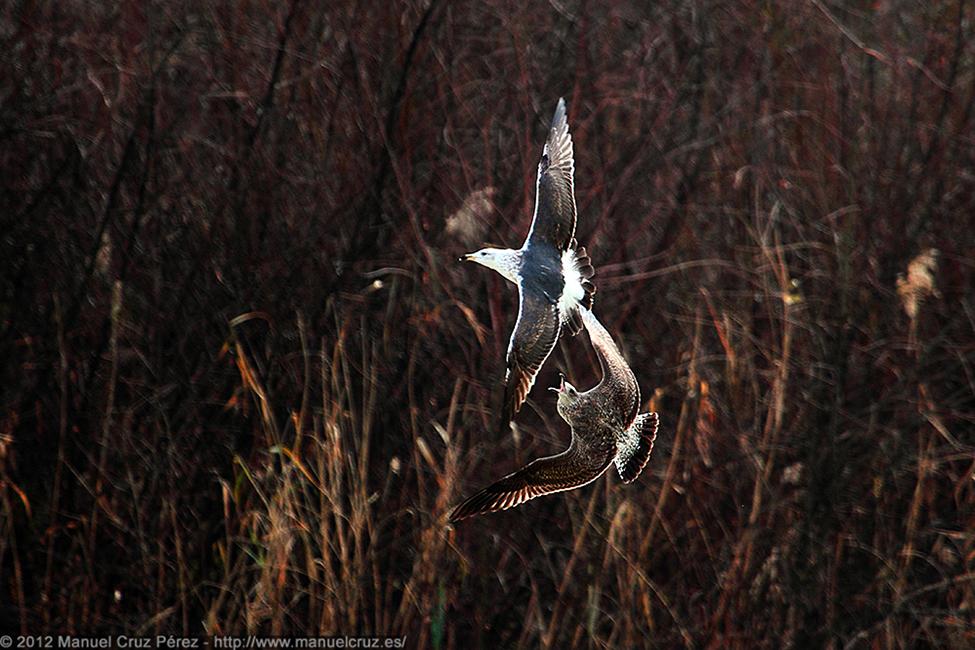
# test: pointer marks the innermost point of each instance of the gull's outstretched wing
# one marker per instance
(555, 204)
(578, 465)
(618, 379)
(533, 339)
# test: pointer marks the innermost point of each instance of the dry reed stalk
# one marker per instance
(98, 503)
(549, 637)
(688, 405)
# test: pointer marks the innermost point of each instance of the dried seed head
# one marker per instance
(918, 285)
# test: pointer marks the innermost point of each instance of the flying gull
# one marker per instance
(552, 273)
(606, 428)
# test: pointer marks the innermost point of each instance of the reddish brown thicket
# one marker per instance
(245, 378)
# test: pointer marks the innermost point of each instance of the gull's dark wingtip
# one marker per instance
(480, 503)
(509, 405)
(457, 515)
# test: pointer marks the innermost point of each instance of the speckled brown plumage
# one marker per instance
(606, 428)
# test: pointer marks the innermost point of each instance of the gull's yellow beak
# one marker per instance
(467, 258)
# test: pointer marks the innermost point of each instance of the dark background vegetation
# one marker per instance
(245, 379)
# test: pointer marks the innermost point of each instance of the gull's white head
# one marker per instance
(502, 260)
(489, 257)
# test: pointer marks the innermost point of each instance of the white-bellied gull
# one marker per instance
(552, 273)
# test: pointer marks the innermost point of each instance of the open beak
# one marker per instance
(561, 387)
(466, 258)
